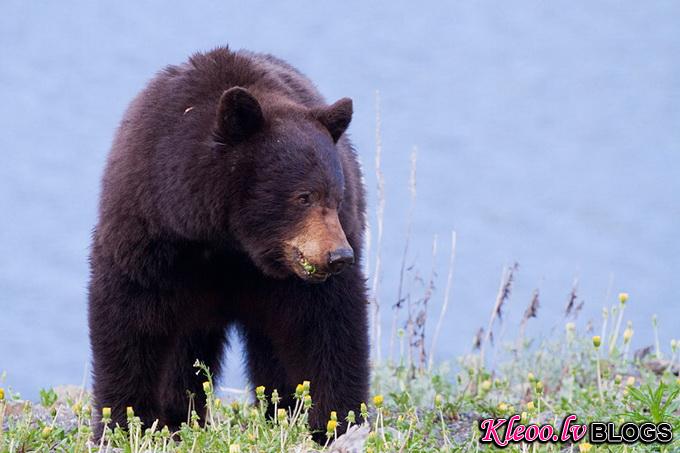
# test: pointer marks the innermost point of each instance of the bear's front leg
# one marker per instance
(265, 368)
(126, 374)
(129, 346)
(181, 382)
(320, 334)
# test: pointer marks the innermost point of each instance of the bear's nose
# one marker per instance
(339, 259)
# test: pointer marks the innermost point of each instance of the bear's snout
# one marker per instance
(320, 247)
(339, 259)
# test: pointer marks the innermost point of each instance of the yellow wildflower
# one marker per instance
(330, 427)
(584, 447)
(597, 341)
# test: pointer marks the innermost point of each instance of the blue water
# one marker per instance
(548, 134)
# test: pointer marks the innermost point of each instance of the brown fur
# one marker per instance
(224, 170)
(318, 234)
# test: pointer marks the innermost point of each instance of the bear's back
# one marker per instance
(176, 112)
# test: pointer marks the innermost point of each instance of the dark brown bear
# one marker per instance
(231, 198)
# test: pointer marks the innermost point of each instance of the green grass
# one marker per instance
(412, 408)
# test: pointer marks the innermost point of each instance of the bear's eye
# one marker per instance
(305, 199)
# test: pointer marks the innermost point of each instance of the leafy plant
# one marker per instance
(655, 405)
(48, 397)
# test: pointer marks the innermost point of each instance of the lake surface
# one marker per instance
(548, 133)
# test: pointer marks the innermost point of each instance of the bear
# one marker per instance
(232, 201)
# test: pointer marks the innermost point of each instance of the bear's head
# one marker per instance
(287, 183)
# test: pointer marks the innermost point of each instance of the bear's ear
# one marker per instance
(336, 117)
(239, 115)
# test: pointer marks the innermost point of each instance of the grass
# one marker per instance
(413, 407)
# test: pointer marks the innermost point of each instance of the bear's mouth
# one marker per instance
(309, 271)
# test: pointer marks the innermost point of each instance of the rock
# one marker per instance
(659, 366)
(68, 394)
(352, 441)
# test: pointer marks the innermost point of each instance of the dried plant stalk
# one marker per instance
(380, 217)
(504, 290)
(445, 305)
(530, 312)
(420, 322)
(571, 302)
(400, 297)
